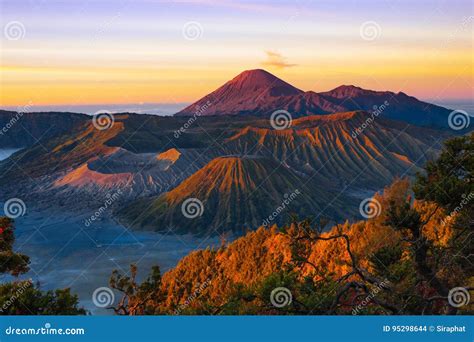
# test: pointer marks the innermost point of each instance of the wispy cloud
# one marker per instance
(276, 60)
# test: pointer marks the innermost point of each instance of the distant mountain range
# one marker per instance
(237, 166)
(259, 93)
(19, 129)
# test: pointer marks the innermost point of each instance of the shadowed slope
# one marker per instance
(20, 129)
(237, 193)
(337, 147)
(397, 106)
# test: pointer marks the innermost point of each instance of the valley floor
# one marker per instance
(66, 253)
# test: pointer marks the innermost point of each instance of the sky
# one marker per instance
(138, 52)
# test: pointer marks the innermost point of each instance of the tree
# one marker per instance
(137, 299)
(25, 297)
(10, 262)
(411, 275)
(403, 261)
(449, 183)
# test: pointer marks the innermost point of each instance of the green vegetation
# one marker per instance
(404, 261)
(24, 297)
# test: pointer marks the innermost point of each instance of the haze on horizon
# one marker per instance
(151, 51)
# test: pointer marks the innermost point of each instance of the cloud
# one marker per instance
(276, 60)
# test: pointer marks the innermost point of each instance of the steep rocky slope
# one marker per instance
(232, 193)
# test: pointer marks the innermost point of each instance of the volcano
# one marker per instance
(230, 194)
(253, 92)
(259, 93)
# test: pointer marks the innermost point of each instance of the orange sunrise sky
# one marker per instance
(99, 52)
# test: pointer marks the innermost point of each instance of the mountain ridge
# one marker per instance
(257, 92)
(235, 193)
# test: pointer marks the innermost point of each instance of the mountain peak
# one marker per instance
(257, 72)
(256, 75)
(261, 80)
(234, 192)
(258, 93)
(345, 91)
(252, 92)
